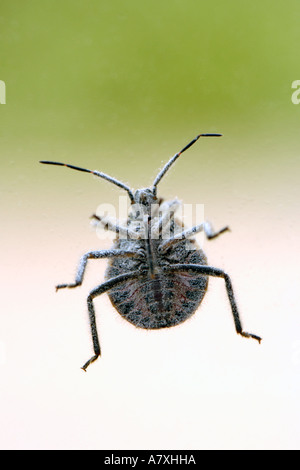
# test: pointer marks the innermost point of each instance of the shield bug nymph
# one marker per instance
(157, 275)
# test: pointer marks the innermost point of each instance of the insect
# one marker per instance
(157, 275)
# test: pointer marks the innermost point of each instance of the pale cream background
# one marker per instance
(121, 87)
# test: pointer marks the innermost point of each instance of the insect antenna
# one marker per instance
(173, 159)
(96, 173)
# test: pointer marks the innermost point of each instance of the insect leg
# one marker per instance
(211, 271)
(167, 211)
(124, 232)
(210, 233)
(94, 293)
(94, 255)
(206, 226)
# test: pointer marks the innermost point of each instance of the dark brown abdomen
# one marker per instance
(163, 301)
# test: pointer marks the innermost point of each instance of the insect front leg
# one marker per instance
(166, 215)
(210, 232)
(210, 271)
(95, 293)
(123, 232)
(93, 255)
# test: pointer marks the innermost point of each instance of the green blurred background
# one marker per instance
(120, 87)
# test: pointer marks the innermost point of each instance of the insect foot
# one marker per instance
(90, 361)
(63, 286)
(157, 275)
(250, 335)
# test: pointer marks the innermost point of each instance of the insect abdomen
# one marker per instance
(162, 301)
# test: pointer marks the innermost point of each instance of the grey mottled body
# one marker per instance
(157, 276)
(161, 299)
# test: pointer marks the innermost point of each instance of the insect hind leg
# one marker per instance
(95, 293)
(211, 271)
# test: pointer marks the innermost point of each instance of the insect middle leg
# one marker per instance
(94, 255)
(95, 293)
(205, 226)
(211, 271)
